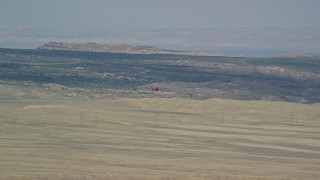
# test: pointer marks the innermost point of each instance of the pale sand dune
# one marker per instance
(160, 139)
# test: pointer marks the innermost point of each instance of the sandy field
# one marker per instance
(159, 139)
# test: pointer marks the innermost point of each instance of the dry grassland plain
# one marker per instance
(159, 139)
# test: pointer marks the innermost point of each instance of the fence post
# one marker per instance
(156, 116)
(292, 117)
(96, 120)
(221, 117)
(81, 118)
(14, 119)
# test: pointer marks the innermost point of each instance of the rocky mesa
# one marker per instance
(117, 48)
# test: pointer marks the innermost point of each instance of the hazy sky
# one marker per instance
(159, 14)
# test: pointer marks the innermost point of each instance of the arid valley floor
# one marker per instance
(159, 138)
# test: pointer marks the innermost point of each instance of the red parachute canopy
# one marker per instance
(155, 89)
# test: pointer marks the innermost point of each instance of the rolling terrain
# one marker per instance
(100, 75)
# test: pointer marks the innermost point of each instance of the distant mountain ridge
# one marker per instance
(117, 48)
